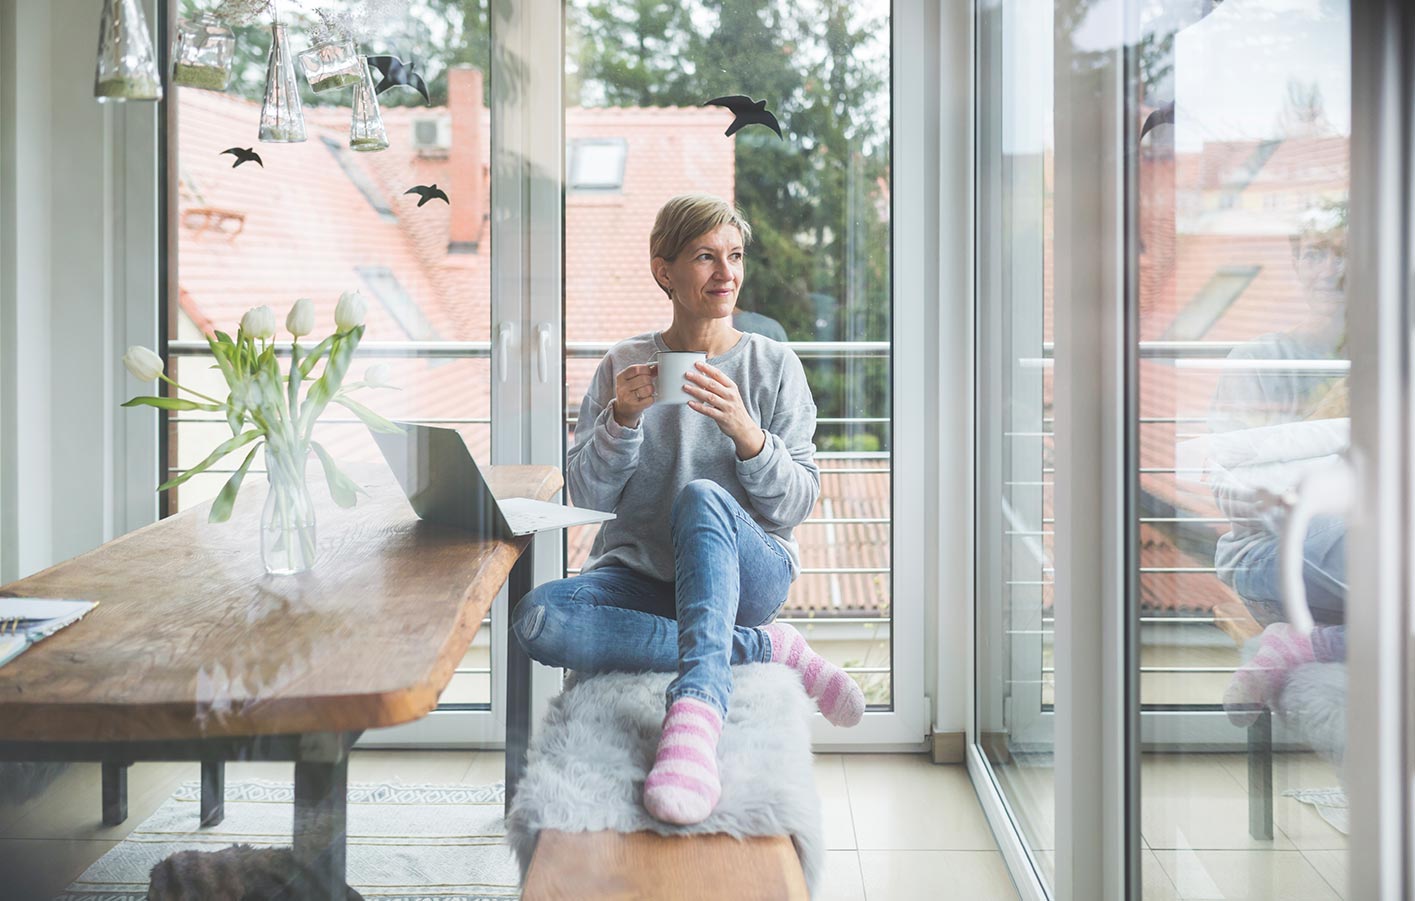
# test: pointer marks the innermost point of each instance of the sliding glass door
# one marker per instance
(820, 274)
(1194, 353)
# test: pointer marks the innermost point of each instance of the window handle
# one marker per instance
(503, 347)
(543, 359)
(1329, 491)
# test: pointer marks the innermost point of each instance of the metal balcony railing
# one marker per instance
(1189, 355)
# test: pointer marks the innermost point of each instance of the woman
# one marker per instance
(700, 557)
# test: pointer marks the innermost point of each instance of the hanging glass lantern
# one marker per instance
(332, 64)
(282, 121)
(367, 133)
(202, 53)
(127, 64)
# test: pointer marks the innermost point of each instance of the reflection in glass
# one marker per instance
(1241, 248)
(1016, 521)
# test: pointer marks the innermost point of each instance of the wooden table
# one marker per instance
(195, 654)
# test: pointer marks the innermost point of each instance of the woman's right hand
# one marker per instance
(633, 393)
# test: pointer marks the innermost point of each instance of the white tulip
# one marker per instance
(144, 364)
(376, 376)
(349, 312)
(259, 322)
(300, 322)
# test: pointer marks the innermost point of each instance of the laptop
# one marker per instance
(445, 486)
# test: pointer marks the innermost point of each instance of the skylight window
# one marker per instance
(597, 164)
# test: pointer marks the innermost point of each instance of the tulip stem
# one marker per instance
(173, 383)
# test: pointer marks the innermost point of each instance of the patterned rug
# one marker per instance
(406, 842)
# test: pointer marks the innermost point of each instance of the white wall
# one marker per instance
(72, 296)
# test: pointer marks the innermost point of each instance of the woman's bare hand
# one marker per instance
(633, 393)
(717, 398)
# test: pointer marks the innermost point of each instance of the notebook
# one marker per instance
(38, 618)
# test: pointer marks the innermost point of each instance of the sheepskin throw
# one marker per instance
(589, 758)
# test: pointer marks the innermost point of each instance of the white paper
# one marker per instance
(30, 609)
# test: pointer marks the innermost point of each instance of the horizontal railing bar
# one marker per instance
(472, 671)
(574, 419)
(810, 570)
(856, 472)
(351, 420)
(868, 670)
(1178, 569)
(1172, 669)
(594, 349)
(439, 349)
(837, 620)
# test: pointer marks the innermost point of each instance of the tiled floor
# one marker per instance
(1194, 825)
(897, 827)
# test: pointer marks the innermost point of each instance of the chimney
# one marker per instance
(464, 100)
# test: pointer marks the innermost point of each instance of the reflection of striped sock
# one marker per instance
(683, 787)
(835, 693)
(1259, 681)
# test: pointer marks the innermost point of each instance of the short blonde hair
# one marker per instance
(686, 216)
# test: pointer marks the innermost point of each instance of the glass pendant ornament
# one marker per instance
(366, 133)
(127, 63)
(282, 120)
(332, 64)
(202, 53)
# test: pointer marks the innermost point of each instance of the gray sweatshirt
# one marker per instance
(636, 473)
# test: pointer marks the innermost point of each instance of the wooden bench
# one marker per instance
(644, 866)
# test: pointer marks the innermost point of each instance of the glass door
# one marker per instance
(1217, 199)
(321, 217)
(820, 274)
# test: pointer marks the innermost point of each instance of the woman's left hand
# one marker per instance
(716, 397)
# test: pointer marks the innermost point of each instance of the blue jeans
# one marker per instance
(729, 578)
(1258, 581)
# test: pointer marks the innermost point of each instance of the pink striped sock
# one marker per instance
(683, 787)
(835, 693)
(1258, 682)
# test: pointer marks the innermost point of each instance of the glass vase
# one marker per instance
(282, 120)
(333, 64)
(202, 53)
(366, 132)
(287, 528)
(127, 63)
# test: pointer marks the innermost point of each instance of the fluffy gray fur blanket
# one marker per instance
(589, 758)
(1313, 702)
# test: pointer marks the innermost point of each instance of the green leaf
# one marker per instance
(172, 403)
(222, 353)
(222, 450)
(370, 418)
(223, 338)
(343, 489)
(221, 507)
(314, 356)
(327, 385)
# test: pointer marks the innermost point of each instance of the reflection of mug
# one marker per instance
(673, 365)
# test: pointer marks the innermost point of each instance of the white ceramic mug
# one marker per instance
(673, 365)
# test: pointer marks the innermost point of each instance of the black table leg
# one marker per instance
(1260, 777)
(213, 792)
(518, 676)
(321, 826)
(115, 792)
